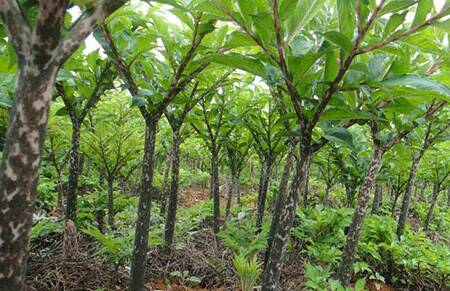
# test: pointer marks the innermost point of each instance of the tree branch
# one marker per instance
(84, 26)
(19, 32)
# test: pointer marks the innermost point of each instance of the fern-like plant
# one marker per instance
(248, 271)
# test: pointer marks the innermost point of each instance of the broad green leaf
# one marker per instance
(417, 82)
(340, 39)
(341, 136)
(397, 5)
(238, 39)
(301, 16)
(393, 23)
(346, 16)
(341, 114)
(423, 8)
(239, 61)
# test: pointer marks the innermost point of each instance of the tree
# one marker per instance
(211, 123)
(428, 140)
(40, 51)
(152, 93)
(113, 143)
(176, 116)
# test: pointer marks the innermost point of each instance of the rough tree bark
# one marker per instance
(173, 194)
(282, 232)
(436, 190)
(111, 202)
(137, 272)
(262, 197)
(377, 199)
(348, 255)
(280, 199)
(215, 187)
(167, 166)
(40, 52)
(74, 173)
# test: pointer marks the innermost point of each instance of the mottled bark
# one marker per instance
(173, 194)
(19, 170)
(377, 198)
(164, 194)
(74, 173)
(280, 200)
(111, 202)
(436, 190)
(137, 272)
(262, 197)
(70, 241)
(345, 270)
(408, 192)
(282, 233)
(215, 188)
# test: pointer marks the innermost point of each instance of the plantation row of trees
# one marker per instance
(351, 92)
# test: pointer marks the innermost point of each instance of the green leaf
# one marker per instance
(339, 39)
(393, 23)
(359, 285)
(423, 8)
(341, 136)
(417, 82)
(239, 61)
(397, 5)
(341, 114)
(238, 39)
(346, 16)
(303, 13)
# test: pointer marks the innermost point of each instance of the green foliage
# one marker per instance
(44, 227)
(248, 271)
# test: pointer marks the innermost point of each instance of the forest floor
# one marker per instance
(201, 258)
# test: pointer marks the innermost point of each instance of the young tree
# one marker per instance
(381, 144)
(212, 125)
(428, 140)
(264, 126)
(176, 116)
(41, 49)
(113, 143)
(153, 92)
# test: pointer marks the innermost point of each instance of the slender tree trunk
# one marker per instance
(377, 199)
(422, 192)
(327, 194)
(280, 199)
(408, 192)
(164, 193)
(285, 220)
(19, 170)
(345, 269)
(137, 272)
(448, 196)
(74, 173)
(111, 202)
(436, 189)
(262, 197)
(305, 192)
(215, 188)
(231, 189)
(237, 183)
(394, 202)
(173, 195)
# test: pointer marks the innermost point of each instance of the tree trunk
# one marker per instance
(436, 189)
(345, 269)
(448, 196)
(327, 194)
(137, 272)
(173, 195)
(285, 219)
(422, 192)
(111, 202)
(262, 197)
(237, 187)
(215, 188)
(230, 190)
(74, 173)
(280, 200)
(377, 199)
(408, 192)
(305, 192)
(397, 194)
(164, 193)
(19, 170)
